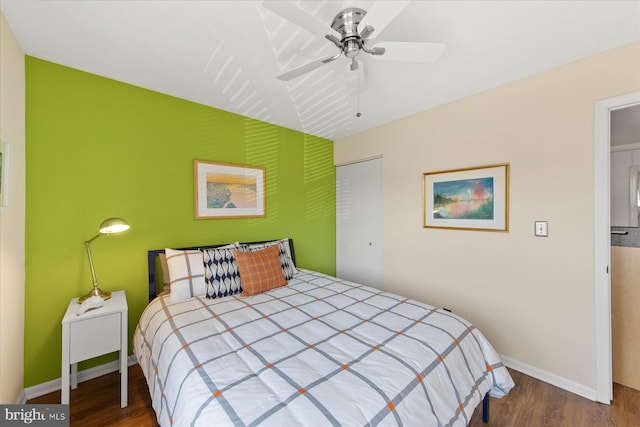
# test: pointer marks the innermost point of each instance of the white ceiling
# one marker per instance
(226, 54)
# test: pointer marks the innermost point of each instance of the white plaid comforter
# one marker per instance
(317, 352)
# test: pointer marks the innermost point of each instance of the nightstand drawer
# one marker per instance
(94, 337)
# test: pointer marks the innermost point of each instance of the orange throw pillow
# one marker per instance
(260, 270)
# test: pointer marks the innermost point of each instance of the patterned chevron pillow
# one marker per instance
(221, 273)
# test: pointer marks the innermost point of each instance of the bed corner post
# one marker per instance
(151, 265)
(485, 408)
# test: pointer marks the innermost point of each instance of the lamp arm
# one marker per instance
(108, 226)
(93, 238)
(87, 246)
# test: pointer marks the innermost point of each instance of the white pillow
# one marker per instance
(186, 274)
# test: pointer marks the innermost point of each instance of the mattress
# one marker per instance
(320, 351)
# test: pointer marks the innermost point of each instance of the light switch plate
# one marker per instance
(541, 228)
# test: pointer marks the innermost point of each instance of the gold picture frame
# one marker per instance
(226, 190)
(475, 198)
(4, 173)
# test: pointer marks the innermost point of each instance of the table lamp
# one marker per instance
(108, 226)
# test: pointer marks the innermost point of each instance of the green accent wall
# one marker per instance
(98, 148)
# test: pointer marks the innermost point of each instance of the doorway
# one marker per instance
(602, 239)
(625, 245)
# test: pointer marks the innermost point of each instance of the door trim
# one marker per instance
(602, 239)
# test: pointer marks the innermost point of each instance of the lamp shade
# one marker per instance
(113, 225)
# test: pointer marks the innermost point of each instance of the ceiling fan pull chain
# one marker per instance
(358, 95)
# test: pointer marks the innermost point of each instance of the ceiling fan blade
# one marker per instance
(306, 68)
(298, 17)
(379, 16)
(426, 53)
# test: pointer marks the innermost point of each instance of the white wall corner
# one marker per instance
(22, 399)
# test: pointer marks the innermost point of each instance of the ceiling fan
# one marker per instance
(352, 32)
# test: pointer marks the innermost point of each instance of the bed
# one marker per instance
(317, 351)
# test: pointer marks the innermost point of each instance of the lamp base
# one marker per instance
(95, 292)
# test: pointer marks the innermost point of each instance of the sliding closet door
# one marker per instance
(359, 222)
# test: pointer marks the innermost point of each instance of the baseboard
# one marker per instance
(22, 399)
(548, 377)
(107, 368)
(85, 375)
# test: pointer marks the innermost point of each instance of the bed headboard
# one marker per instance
(152, 256)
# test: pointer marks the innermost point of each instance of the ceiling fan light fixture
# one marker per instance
(351, 48)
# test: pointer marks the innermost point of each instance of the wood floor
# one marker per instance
(96, 403)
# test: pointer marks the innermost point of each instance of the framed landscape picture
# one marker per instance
(223, 190)
(467, 199)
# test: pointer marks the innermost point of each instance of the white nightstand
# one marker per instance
(94, 333)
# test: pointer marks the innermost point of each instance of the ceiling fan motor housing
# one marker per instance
(346, 24)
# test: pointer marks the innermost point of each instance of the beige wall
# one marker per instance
(12, 217)
(533, 297)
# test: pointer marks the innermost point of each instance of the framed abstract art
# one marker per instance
(467, 199)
